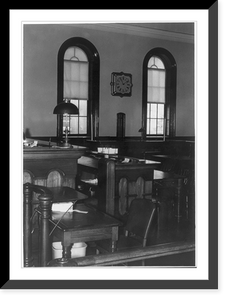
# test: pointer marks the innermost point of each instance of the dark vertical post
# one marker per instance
(27, 235)
(121, 125)
(45, 247)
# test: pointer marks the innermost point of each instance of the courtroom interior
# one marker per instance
(109, 144)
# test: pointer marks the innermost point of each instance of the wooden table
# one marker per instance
(170, 180)
(47, 197)
(76, 227)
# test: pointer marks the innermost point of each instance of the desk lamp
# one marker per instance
(66, 108)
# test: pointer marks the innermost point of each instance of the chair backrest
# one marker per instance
(141, 213)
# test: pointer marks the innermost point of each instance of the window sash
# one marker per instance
(75, 80)
(78, 123)
(156, 120)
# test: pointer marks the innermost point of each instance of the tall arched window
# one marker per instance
(78, 81)
(159, 93)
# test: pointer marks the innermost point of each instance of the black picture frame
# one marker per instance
(212, 282)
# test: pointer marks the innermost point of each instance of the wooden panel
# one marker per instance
(122, 196)
(127, 191)
(27, 177)
(55, 179)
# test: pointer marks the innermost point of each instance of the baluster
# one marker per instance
(27, 228)
(45, 248)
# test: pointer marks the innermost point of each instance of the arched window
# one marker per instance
(159, 93)
(78, 81)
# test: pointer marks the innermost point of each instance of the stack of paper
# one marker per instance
(62, 206)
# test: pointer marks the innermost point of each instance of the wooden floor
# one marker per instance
(168, 230)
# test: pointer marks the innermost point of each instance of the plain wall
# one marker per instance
(118, 52)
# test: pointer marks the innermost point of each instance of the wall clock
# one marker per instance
(121, 84)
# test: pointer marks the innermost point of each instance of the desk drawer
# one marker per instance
(91, 235)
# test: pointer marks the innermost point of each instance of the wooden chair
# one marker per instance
(136, 231)
(167, 191)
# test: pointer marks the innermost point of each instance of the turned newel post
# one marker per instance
(45, 210)
(27, 228)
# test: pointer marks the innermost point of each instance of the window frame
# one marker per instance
(170, 92)
(93, 89)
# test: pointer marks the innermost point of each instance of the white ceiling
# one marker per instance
(184, 28)
(183, 32)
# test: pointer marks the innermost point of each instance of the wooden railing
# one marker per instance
(130, 255)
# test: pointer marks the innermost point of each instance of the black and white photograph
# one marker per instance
(110, 130)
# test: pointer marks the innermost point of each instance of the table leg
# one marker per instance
(67, 252)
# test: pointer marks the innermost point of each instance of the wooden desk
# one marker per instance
(47, 196)
(119, 180)
(83, 227)
(50, 166)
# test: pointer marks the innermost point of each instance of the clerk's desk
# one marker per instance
(115, 180)
(51, 166)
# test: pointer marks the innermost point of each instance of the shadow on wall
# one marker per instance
(26, 133)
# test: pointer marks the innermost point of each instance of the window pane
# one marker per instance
(75, 70)
(80, 54)
(83, 107)
(75, 53)
(69, 53)
(150, 94)
(156, 94)
(162, 95)
(83, 90)
(84, 72)
(152, 126)
(147, 127)
(155, 77)
(75, 102)
(153, 113)
(155, 62)
(159, 63)
(150, 77)
(160, 123)
(148, 110)
(75, 80)
(156, 86)
(82, 125)
(67, 70)
(74, 125)
(160, 110)
(161, 78)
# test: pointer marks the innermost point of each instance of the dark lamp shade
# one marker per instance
(66, 108)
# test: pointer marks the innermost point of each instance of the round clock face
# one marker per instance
(123, 84)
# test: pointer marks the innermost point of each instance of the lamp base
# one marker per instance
(65, 145)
